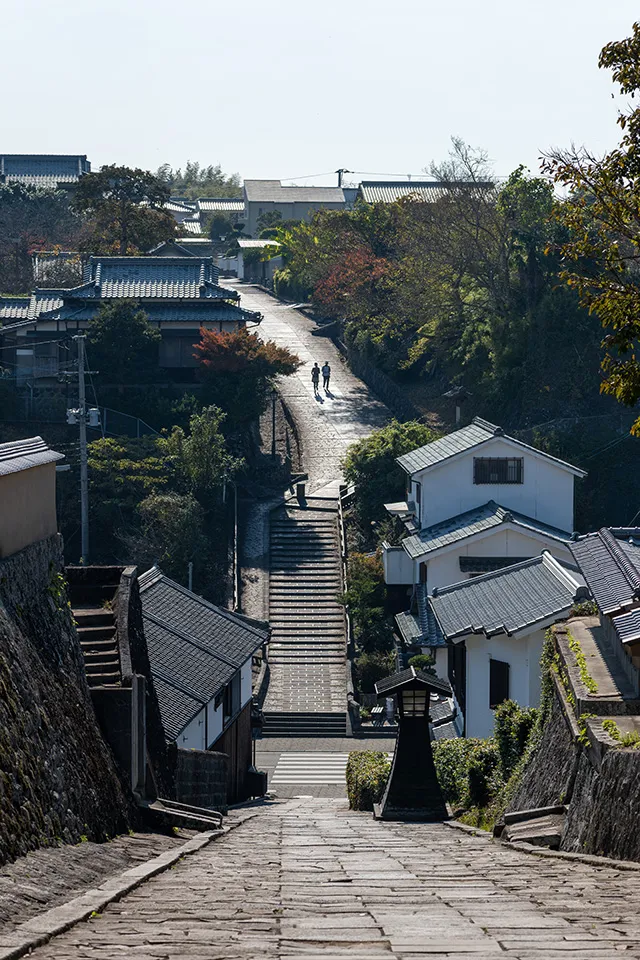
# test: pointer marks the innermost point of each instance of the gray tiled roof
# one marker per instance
(479, 520)
(147, 278)
(20, 455)
(195, 313)
(396, 681)
(272, 191)
(192, 226)
(388, 191)
(43, 170)
(194, 646)
(14, 308)
(177, 707)
(225, 204)
(627, 626)
(245, 244)
(507, 601)
(479, 431)
(610, 562)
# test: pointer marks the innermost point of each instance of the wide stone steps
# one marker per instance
(307, 687)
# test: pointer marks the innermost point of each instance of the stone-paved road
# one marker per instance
(310, 881)
(328, 424)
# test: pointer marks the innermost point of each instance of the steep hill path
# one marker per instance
(329, 423)
(309, 880)
(301, 550)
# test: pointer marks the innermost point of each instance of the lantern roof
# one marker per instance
(412, 679)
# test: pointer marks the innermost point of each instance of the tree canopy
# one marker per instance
(123, 344)
(199, 181)
(30, 220)
(601, 220)
(123, 207)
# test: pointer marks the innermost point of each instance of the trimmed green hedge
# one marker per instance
(367, 775)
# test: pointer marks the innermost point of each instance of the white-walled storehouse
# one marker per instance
(478, 500)
(488, 634)
(201, 657)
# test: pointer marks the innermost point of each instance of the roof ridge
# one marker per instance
(559, 571)
(618, 554)
(492, 428)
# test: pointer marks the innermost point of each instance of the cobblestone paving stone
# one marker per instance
(308, 880)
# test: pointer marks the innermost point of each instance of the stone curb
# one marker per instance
(629, 865)
(39, 930)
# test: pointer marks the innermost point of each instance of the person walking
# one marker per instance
(326, 376)
(315, 378)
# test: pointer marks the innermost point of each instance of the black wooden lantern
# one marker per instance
(412, 792)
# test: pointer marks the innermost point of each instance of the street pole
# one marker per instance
(84, 473)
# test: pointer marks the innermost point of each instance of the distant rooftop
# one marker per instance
(223, 204)
(257, 244)
(479, 431)
(181, 278)
(272, 191)
(43, 170)
(388, 191)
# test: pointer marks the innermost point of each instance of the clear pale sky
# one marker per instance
(290, 88)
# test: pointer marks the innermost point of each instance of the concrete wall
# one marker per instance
(522, 653)
(546, 493)
(288, 211)
(27, 508)
(58, 778)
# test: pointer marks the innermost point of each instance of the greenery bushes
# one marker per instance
(365, 598)
(367, 775)
(371, 667)
(424, 662)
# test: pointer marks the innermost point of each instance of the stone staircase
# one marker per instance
(92, 607)
(307, 653)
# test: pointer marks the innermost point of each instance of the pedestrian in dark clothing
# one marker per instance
(315, 377)
(326, 376)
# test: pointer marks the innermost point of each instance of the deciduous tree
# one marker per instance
(123, 344)
(124, 210)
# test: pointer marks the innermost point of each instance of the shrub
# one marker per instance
(451, 758)
(365, 597)
(483, 773)
(367, 775)
(512, 728)
(371, 667)
(424, 662)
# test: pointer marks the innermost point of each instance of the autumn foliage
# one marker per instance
(238, 370)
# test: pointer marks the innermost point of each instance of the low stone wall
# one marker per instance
(58, 779)
(200, 777)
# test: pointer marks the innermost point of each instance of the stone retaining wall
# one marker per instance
(201, 778)
(58, 780)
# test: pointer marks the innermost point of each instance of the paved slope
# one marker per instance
(308, 880)
(329, 423)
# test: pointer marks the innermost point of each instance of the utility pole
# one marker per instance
(341, 173)
(82, 416)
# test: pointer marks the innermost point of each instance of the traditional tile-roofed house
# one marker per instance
(43, 170)
(27, 494)
(487, 633)
(389, 191)
(478, 498)
(180, 294)
(201, 657)
(292, 203)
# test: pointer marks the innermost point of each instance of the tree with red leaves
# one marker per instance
(238, 371)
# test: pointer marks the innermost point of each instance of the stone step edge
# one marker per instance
(41, 929)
